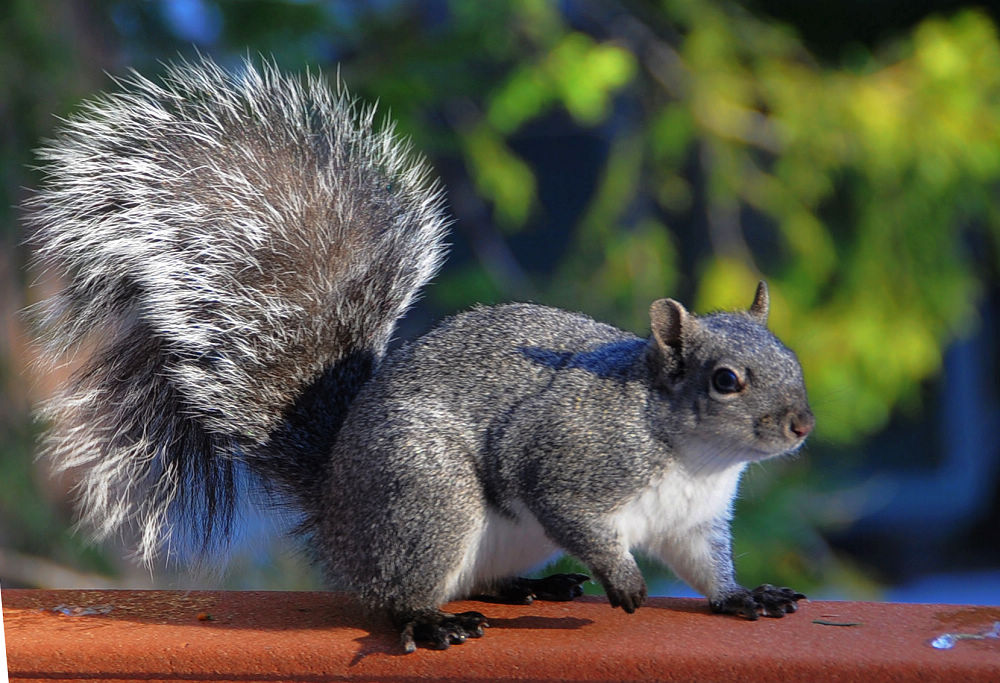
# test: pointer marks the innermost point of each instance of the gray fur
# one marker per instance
(527, 411)
(249, 246)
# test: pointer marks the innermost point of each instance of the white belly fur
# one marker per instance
(663, 513)
(655, 520)
(501, 547)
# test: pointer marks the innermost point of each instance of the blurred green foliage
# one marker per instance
(864, 192)
(875, 180)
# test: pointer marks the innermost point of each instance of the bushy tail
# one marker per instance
(235, 251)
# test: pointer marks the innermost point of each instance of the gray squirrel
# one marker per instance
(236, 248)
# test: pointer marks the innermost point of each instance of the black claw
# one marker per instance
(441, 630)
(629, 602)
(765, 600)
(407, 639)
(473, 623)
(776, 602)
(558, 587)
(521, 591)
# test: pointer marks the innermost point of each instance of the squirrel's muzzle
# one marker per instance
(799, 424)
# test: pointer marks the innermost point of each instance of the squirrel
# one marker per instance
(236, 248)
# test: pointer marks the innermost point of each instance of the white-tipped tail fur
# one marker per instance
(236, 249)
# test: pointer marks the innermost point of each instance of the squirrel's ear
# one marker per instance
(761, 303)
(671, 326)
(668, 321)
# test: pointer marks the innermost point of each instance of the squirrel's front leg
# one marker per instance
(703, 557)
(594, 542)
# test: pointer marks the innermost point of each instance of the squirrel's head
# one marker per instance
(738, 387)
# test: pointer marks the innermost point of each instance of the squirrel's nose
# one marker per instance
(800, 424)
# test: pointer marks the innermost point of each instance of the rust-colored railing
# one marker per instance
(276, 636)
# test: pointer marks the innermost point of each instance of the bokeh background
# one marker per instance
(597, 156)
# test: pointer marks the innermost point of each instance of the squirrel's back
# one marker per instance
(236, 248)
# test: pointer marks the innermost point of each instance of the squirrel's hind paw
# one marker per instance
(764, 600)
(559, 587)
(441, 629)
(521, 591)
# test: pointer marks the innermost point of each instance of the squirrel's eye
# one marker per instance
(725, 381)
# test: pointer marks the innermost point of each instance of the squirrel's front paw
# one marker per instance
(624, 585)
(441, 629)
(628, 596)
(766, 600)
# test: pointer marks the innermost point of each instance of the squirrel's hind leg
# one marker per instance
(521, 591)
